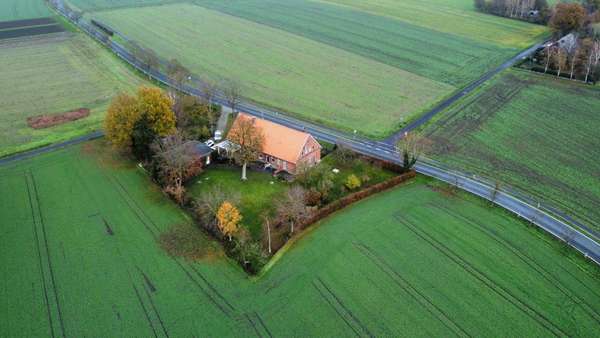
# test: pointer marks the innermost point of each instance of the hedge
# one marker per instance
(355, 197)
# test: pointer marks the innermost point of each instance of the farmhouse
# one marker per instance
(284, 148)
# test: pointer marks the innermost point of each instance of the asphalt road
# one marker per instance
(386, 151)
(465, 91)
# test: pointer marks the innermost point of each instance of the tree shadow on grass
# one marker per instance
(187, 241)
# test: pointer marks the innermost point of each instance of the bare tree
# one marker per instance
(411, 147)
(232, 92)
(548, 57)
(594, 57)
(572, 51)
(209, 90)
(208, 203)
(147, 57)
(559, 60)
(250, 139)
(292, 207)
(495, 190)
(175, 164)
(267, 226)
(178, 73)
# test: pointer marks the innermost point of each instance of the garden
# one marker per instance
(269, 209)
(231, 195)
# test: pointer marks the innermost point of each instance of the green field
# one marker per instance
(435, 55)
(22, 9)
(55, 73)
(79, 258)
(365, 66)
(531, 131)
(457, 17)
(279, 69)
(95, 5)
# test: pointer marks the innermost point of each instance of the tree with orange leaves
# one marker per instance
(229, 218)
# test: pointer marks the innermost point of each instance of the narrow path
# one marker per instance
(467, 90)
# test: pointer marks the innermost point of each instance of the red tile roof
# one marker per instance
(280, 141)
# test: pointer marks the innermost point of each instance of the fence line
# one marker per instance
(543, 215)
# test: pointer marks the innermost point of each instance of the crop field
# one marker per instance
(22, 9)
(29, 27)
(317, 59)
(280, 69)
(533, 132)
(457, 17)
(80, 258)
(55, 73)
(436, 55)
(95, 5)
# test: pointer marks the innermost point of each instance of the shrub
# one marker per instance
(344, 155)
(206, 206)
(248, 252)
(357, 196)
(353, 182)
(177, 193)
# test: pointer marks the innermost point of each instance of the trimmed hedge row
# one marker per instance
(355, 197)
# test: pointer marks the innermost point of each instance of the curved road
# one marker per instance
(553, 224)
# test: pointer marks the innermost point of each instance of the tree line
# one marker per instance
(577, 54)
(531, 10)
(535, 10)
(575, 51)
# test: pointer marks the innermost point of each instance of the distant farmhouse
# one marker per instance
(284, 148)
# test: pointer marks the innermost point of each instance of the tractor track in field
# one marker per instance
(209, 291)
(40, 260)
(212, 288)
(262, 323)
(141, 302)
(160, 321)
(249, 319)
(324, 290)
(530, 262)
(147, 280)
(483, 278)
(45, 236)
(328, 301)
(206, 293)
(412, 291)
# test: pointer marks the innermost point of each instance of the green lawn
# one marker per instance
(276, 68)
(412, 261)
(55, 73)
(258, 193)
(532, 131)
(23, 9)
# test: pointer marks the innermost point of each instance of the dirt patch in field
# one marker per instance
(187, 241)
(47, 121)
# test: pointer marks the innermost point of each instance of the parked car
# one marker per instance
(210, 143)
(218, 135)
